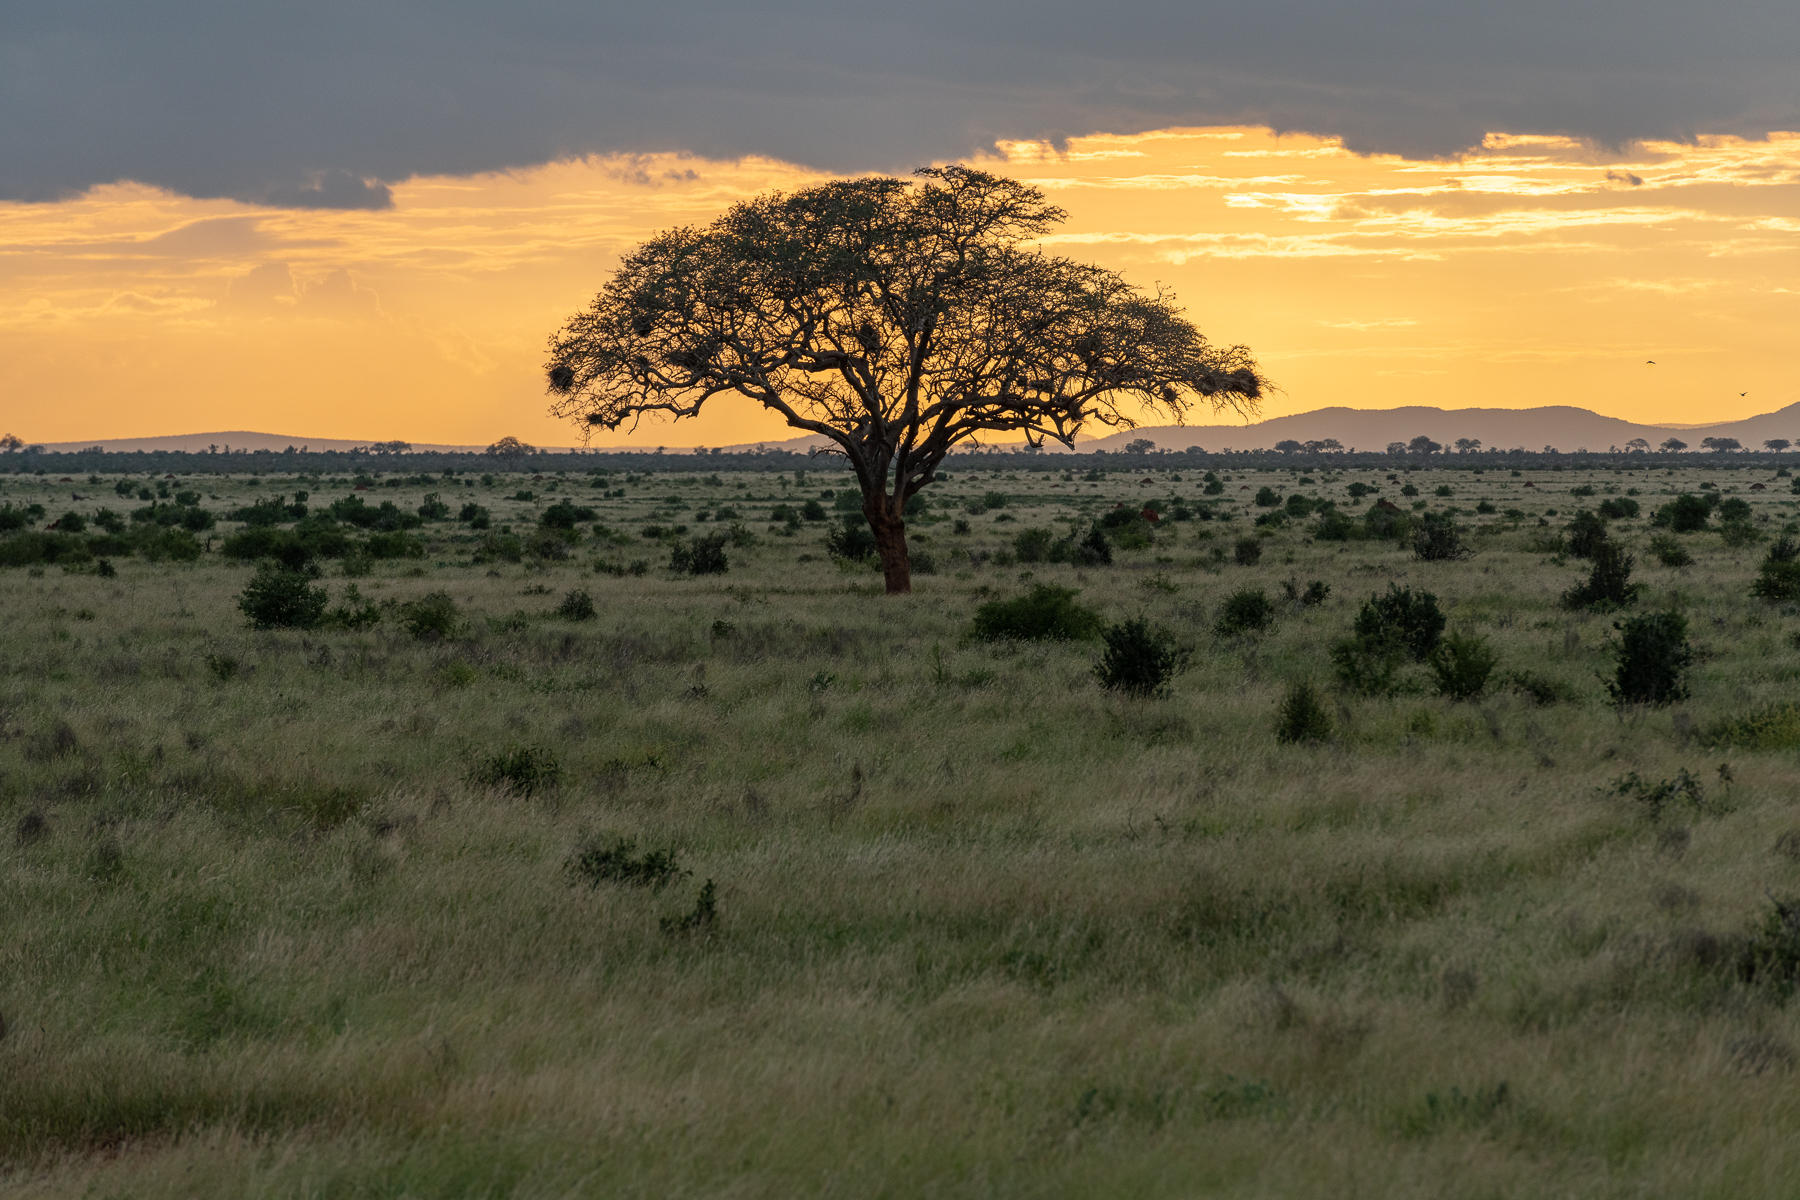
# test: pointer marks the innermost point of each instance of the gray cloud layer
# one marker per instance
(319, 104)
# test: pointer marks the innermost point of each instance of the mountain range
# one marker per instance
(1563, 427)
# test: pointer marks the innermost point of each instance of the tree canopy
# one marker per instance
(895, 320)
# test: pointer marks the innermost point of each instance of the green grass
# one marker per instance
(272, 923)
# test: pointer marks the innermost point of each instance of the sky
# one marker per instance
(363, 221)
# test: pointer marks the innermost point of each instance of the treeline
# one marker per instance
(36, 461)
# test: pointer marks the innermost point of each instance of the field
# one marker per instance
(761, 883)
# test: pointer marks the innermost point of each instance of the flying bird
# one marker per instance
(1649, 362)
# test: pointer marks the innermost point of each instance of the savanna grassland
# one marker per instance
(761, 883)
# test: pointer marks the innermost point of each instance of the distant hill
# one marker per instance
(1561, 426)
(1564, 427)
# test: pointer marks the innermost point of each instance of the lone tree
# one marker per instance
(896, 320)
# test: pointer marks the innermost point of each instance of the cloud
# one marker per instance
(326, 104)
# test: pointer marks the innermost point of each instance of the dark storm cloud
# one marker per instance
(319, 104)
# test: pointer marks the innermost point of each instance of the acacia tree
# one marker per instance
(894, 319)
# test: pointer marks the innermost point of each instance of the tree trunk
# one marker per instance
(890, 543)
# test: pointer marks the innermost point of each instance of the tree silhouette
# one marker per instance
(894, 319)
(1776, 445)
(1720, 445)
(1423, 445)
(1637, 445)
(1672, 446)
(1289, 446)
(510, 448)
(1467, 445)
(11, 443)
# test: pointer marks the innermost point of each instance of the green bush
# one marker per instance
(851, 539)
(279, 597)
(1439, 538)
(1669, 551)
(1139, 660)
(701, 556)
(1267, 497)
(1367, 668)
(1778, 579)
(1586, 533)
(1045, 613)
(1770, 954)
(1302, 717)
(1247, 551)
(576, 605)
(1652, 657)
(521, 770)
(1618, 508)
(1685, 514)
(1248, 610)
(433, 617)
(1608, 584)
(1406, 620)
(1462, 664)
(601, 860)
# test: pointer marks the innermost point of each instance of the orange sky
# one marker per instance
(1536, 271)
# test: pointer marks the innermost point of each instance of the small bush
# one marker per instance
(1608, 585)
(577, 605)
(1367, 668)
(1314, 594)
(1618, 508)
(354, 612)
(1586, 534)
(1778, 579)
(431, 618)
(1770, 957)
(704, 914)
(1247, 552)
(598, 860)
(1302, 718)
(280, 598)
(1045, 613)
(1655, 796)
(1686, 513)
(1407, 620)
(1541, 689)
(521, 770)
(1653, 656)
(1139, 660)
(1439, 539)
(702, 556)
(1462, 663)
(1248, 610)
(1774, 727)
(851, 539)
(1669, 551)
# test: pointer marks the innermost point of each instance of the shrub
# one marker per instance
(1139, 660)
(1267, 497)
(1669, 551)
(598, 860)
(851, 539)
(1248, 610)
(1462, 664)
(577, 605)
(1247, 551)
(1653, 655)
(432, 617)
(1365, 667)
(1541, 689)
(279, 597)
(1587, 533)
(1094, 550)
(1334, 526)
(354, 612)
(702, 556)
(704, 915)
(1402, 618)
(1774, 727)
(564, 515)
(1686, 513)
(432, 508)
(1315, 593)
(1034, 546)
(1045, 613)
(1302, 718)
(1439, 539)
(1778, 579)
(521, 770)
(1618, 508)
(1770, 957)
(1608, 585)
(474, 516)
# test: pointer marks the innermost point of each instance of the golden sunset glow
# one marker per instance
(1534, 271)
